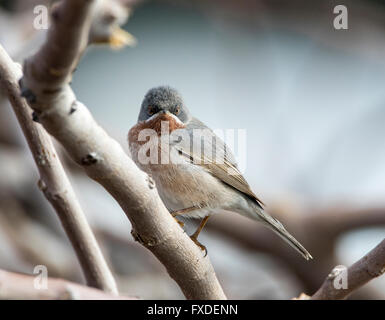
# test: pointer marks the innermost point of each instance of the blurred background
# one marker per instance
(311, 99)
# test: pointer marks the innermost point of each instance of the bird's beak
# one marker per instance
(162, 112)
(159, 113)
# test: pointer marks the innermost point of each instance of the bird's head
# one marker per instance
(161, 101)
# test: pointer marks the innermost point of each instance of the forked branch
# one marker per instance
(46, 87)
(54, 183)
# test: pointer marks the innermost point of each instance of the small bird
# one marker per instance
(194, 171)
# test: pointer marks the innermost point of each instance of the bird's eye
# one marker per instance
(177, 111)
(151, 110)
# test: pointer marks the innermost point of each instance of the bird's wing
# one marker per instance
(213, 154)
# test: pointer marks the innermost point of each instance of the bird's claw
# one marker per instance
(201, 246)
(179, 222)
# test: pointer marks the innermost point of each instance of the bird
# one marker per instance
(195, 173)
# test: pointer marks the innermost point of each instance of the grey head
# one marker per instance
(163, 99)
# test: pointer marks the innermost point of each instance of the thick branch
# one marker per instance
(367, 268)
(21, 286)
(55, 184)
(45, 85)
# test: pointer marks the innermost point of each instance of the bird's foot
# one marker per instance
(201, 246)
(179, 222)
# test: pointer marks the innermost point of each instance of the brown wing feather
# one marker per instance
(227, 171)
(231, 176)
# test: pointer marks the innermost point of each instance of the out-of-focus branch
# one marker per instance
(105, 28)
(28, 247)
(318, 231)
(367, 268)
(55, 184)
(21, 286)
(344, 219)
(46, 87)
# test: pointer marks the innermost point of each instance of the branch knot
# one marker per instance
(90, 159)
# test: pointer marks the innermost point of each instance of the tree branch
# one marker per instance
(55, 184)
(21, 286)
(367, 268)
(45, 85)
(340, 220)
(318, 230)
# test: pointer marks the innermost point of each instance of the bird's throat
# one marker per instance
(162, 124)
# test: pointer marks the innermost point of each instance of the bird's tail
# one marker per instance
(278, 228)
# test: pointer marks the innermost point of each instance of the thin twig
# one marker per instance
(371, 266)
(55, 184)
